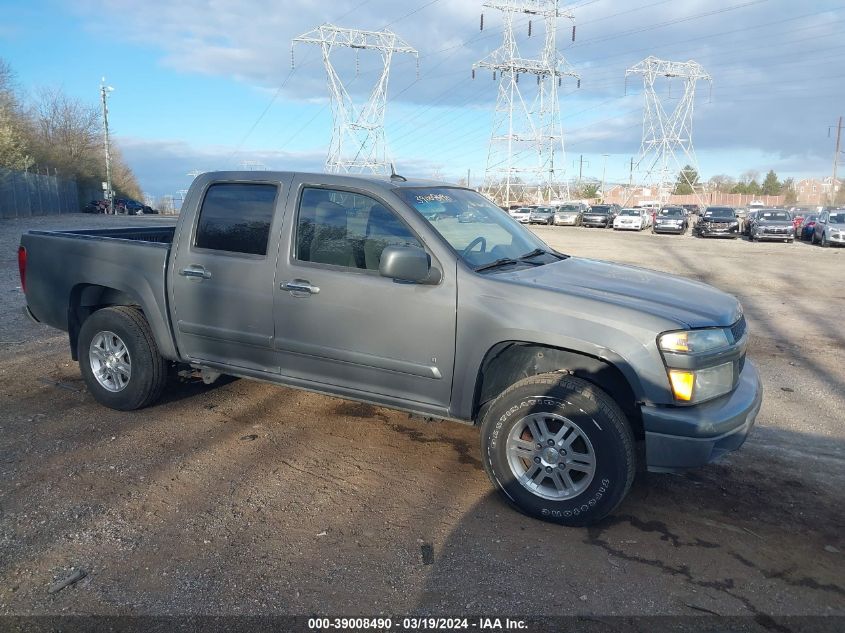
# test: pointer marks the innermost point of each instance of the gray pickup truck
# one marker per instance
(578, 371)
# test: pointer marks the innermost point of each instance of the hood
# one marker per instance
(774, 222)
(689, 303)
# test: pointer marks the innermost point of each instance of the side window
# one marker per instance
(347, 229)
(236, 217)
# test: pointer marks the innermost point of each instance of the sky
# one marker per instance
(208, 84)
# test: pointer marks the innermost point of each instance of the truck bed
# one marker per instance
(86, 267)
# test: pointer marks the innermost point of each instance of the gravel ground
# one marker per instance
(245, 498)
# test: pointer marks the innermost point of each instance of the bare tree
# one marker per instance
(721, 182)
(14, 150)
(67, 135)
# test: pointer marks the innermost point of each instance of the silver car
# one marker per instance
(542, 215)
(773, 224)
(570, 214)
(830, 228)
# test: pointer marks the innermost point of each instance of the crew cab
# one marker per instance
(372, 289)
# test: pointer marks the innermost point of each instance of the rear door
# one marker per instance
(221, 280)
(338, 322)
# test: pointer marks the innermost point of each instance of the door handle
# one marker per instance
(195, 271)
(299, 285)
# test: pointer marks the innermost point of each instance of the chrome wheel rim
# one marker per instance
(551, 456)
(110, 361)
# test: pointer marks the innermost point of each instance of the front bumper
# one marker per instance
(838, 239)
(786, 235)
(687, 437)
(565, 221)
(587, 221)
(671, 228)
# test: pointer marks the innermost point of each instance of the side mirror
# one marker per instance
(406, 263)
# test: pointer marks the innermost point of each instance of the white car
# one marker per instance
(631, 220)
(523, 215)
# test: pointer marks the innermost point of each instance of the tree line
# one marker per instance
(57, 134)
(746, 184)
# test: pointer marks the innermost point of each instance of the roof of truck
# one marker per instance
(390, 182)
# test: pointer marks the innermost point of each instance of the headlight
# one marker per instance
(701, 384)
(693, 341)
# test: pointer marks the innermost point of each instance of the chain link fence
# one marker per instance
(24, 194)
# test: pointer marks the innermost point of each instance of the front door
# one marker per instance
(221, 282)
(340, 323)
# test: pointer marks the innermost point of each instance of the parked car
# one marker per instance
(830, 228)
(542, 215)
(522, 215)
(773, 224)
(600, 215)
(670, 220)
(807, 228)
(717, 222)
(630, 220)
(96, 206)
(570, 214)
(566, 410)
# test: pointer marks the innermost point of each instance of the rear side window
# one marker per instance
(236, 217)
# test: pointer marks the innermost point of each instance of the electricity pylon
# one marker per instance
(358, 142)
(667, 132)
(526, 149)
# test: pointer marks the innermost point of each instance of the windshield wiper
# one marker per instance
(522, 259)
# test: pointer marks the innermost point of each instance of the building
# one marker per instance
(814, 191)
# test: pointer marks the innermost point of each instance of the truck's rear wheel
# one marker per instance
(119, 359)
(559, 449)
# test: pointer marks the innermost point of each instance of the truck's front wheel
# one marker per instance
(559, 449)
(119, 359)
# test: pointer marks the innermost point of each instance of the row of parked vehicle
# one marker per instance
(669, 219)
(825, 226)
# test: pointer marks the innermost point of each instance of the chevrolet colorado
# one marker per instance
(577, 371)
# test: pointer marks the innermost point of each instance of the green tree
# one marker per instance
(590, 190)
(771, 185)
(740, 187)
(753, 188)
(788, 189)
(687, 178)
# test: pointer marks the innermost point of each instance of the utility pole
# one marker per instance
(835, 160)
(581, 168)
(104, 90)
(603, 175)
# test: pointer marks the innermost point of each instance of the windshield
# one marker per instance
(775, 216)
(600, 210)
(717, 212)
(489, 235)
(568, 208)
(543, 210)
(633, 212)
(837, 218)
(671, 213)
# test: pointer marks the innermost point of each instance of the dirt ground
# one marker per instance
(245, 498)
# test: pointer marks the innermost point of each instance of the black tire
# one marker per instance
(148, 369)
(594, 414)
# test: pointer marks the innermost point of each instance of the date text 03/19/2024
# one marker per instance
(417, 624)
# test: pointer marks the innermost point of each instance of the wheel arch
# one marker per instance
(87, 298)
(509, 361)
